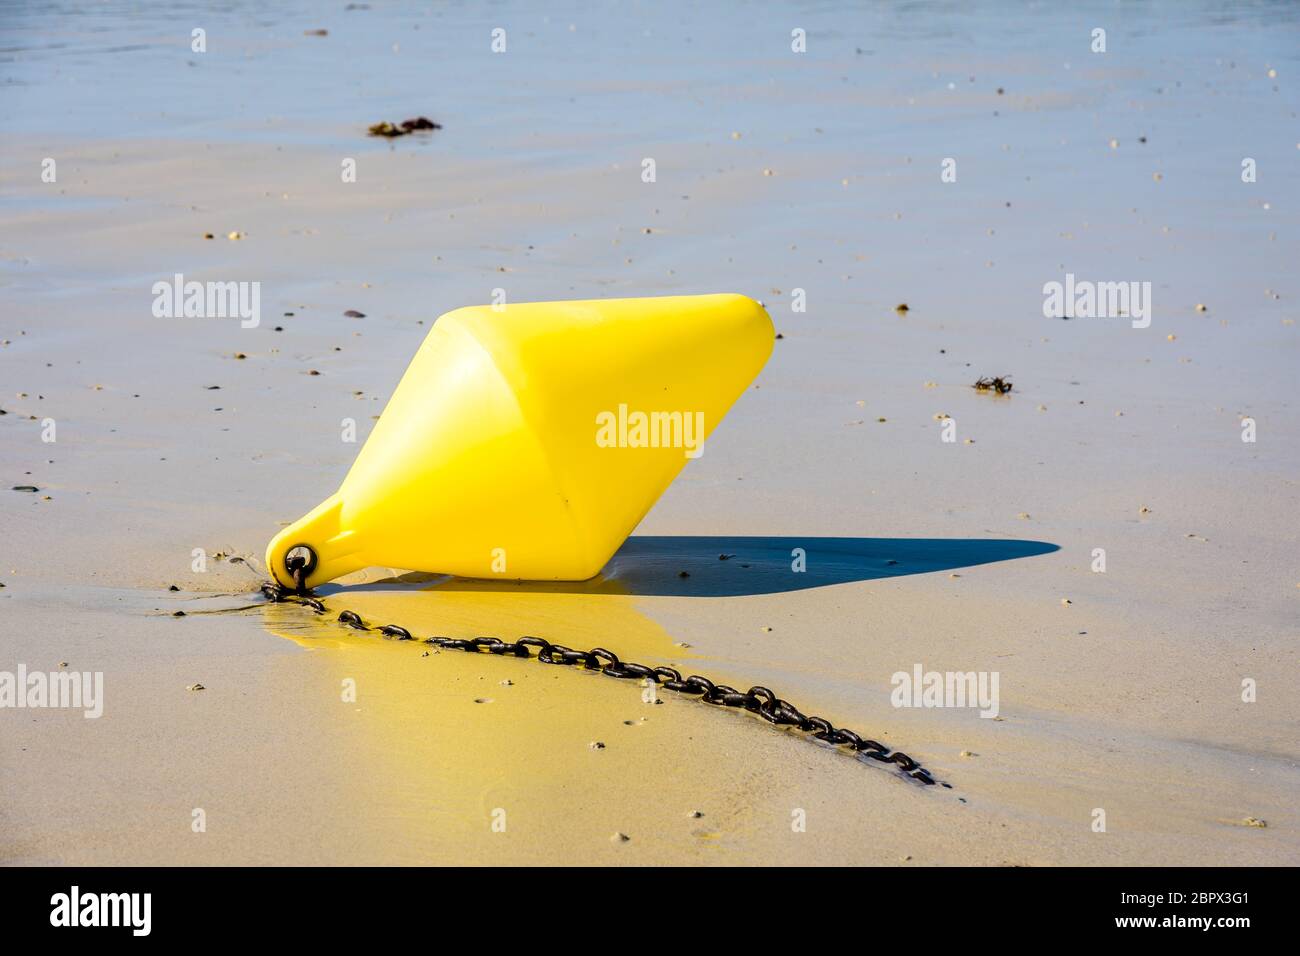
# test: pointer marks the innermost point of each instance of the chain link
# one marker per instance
(756, 700)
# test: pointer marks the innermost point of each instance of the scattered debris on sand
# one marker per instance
(996, 384)
(389, 131)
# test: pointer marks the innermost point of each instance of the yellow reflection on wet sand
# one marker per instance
(478, 758)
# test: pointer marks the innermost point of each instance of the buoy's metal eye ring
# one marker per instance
(300, 557)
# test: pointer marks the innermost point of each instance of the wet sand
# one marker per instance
(954, 556)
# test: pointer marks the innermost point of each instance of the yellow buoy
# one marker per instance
(526, 441)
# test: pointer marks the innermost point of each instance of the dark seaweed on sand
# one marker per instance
(997, 384)
(389, 131)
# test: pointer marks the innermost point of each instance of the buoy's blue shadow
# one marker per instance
(653, 565)
(766, 565)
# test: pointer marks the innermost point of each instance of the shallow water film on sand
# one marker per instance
(989, 456)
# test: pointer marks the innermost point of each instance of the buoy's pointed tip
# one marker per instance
(334, 551)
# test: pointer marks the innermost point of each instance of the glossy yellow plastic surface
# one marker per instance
(527, 441)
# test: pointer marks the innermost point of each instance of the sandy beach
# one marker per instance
(1158, 688)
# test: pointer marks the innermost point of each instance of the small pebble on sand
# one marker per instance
(234, 234)
(902, 308)
(354, 314)
(695, 814)
(1200, 307)
(1065, 601)
(620, 838)
(969, 753)
(1254, 822)
(195, 687)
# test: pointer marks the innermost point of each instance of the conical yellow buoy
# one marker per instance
(526, 441)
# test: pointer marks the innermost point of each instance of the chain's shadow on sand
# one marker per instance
(736, 566)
